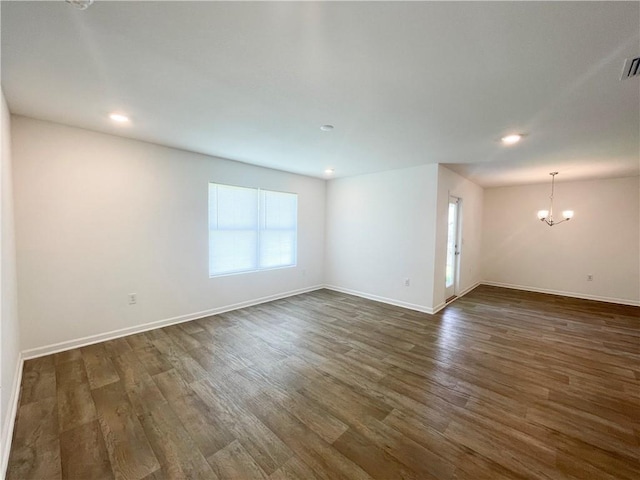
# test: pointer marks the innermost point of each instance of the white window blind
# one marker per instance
(251, 229)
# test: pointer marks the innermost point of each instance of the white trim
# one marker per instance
(398, 303)
(466, 290)
(101, 337)
(9, 421)
(440, 306)
(376, 298)
(584, 296)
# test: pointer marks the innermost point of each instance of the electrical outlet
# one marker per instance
(407, 282)
(133, 298)
(590, 278)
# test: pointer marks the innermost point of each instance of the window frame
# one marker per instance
(261, 224)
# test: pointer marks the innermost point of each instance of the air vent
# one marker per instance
(631, 68)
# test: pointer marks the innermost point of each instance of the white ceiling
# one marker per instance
(404, 83)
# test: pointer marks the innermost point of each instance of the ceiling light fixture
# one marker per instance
(326, 128)
(511, 139)
(118, 117)
(80, 4)
(547, 215)
(329, 171)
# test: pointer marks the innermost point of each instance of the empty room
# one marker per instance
(319, 240)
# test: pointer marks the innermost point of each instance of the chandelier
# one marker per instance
(547, 215)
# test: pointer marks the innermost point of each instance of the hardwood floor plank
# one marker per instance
(118, 346)
(39, 462)
(36, 421)
(66, 356)
(71, 373)
(310, 448)
(530, 460)
(182, 338)
(36, 446)
(142, 391)
(174, 448)
(372, 459)
(38, 379)
(207, 430)
(233, 462)
(83, 453)
(100, 370)
(75, 403)
(343, 402)
(411, 454)
(130, 454)
(138, 341)
(215, 366)
(316, 419)
(152, 359)
(294, 469)
(264, 446)
(171, 384)
(592, 431)
(612, 463)
(180, 360)
(469, 464)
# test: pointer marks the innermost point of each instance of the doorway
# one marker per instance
(453, 249)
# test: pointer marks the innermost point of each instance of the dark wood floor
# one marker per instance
(500, 384)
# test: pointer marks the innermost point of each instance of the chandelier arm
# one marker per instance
(551, 222)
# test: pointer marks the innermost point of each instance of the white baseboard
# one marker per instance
(10, 419)
(123, 332)
(584, 296)
(376, 298)
(399, 303)
(440, 306)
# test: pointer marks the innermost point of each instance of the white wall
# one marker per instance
(381, 230)
(98, 217)
(470, 210)
(9, 327)
(603, 239)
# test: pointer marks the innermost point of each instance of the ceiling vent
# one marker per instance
(631, 68)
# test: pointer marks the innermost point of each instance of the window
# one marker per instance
(251, 229)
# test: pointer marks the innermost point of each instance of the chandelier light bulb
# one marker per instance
(542, 214)
(567, 214)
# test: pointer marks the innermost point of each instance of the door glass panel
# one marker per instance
(451, 245)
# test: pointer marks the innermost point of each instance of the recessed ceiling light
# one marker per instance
(511, 139)
(329, 171)
(118, 117)
(326, 128)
